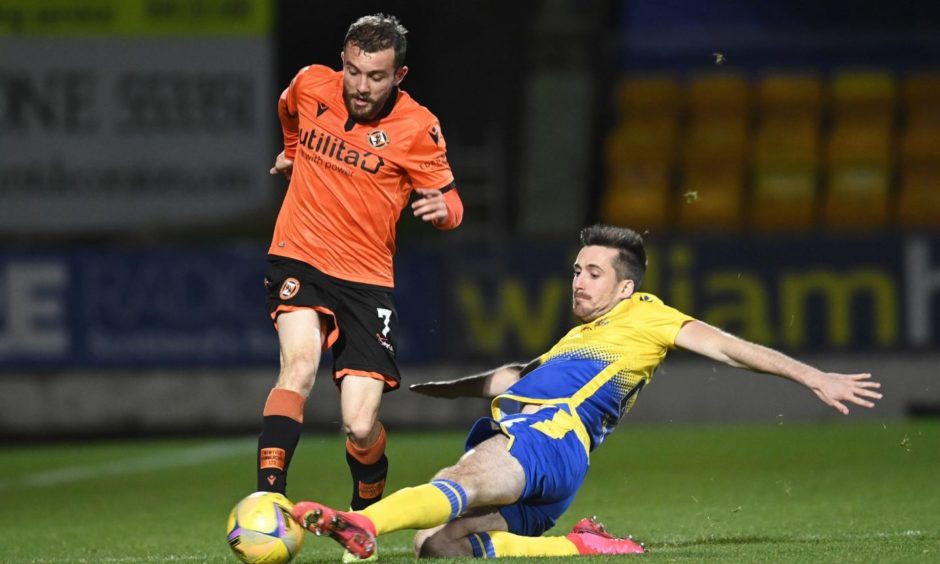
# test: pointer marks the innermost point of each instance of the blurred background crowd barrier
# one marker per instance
(782, 161)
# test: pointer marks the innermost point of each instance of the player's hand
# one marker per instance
(282, 166)
(430, 205)
(835, 389)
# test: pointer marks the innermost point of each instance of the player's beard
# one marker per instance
(365, 114)
(579, 310)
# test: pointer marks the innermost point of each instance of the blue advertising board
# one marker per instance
(169, 307)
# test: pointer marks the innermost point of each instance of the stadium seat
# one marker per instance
(859, 151)
(919, 191)
(640, 153)
(719, 94)
(723, 137)
(859, 178)
(785, 175)
(786, 157)
(919, 199)
(784, 198)
(921, 98)
(787, 141)
(865, 95)
(641, 140)
(637, 194)
(920, 145)
(647, 97)
(713, 160)
(790, 95)
(711, 195)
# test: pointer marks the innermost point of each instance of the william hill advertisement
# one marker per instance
(205, 306)
(865, 294)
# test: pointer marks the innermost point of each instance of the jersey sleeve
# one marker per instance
(287, 114)
(663, 323)
(427, 160)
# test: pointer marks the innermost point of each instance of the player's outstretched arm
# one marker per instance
(483, 385)
(833, 389)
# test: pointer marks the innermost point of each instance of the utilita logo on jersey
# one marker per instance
(324, 145)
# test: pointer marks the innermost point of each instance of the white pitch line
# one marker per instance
(191, 456)
(116, 559)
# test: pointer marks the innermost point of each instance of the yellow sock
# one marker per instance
(500, 543)
(421, 507)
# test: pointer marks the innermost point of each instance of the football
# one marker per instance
(261, 530)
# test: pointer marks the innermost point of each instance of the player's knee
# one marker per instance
(438, 545)
(468, 482)
(420, 537)
(298, 376)
(361, 431)
(302, 369)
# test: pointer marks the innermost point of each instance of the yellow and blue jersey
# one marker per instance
(596, 371)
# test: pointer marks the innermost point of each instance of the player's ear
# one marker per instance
(627, 287)
(400, 74)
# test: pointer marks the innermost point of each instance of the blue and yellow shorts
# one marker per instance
(554, 461)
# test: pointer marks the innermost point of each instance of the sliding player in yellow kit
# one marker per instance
(524, 465)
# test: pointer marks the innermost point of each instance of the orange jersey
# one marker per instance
(350, 180)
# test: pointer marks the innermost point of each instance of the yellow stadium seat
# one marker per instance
(921, 96)
(784, 197)
(711, 196)
(719, 94)
(723, 138)
(647, 97)
(859, 142)
(637, 195)
(919, 199)
(920, 145)
(790, 95)
(857, 196)
(867, 95)
(786, 162)
(632, 141)
(787, 141)
(859, 177)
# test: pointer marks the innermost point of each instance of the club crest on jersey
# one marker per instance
(377, 138)
(289, 289)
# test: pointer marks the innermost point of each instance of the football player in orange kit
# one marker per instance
(356, 148)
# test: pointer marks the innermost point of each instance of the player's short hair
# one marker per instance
(630, 262)
(378, 32)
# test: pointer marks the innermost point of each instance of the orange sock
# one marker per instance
(283, 418)
(286, 403)
(369, 468)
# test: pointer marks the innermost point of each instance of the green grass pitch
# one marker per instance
(846, 492)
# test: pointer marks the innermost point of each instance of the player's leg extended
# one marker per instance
(484, 534)
(499, 544)
(360, 398)
(299, 337)
(554, 462)
(485, 476)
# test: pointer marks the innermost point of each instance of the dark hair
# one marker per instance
(631, 258)
(379, 32)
